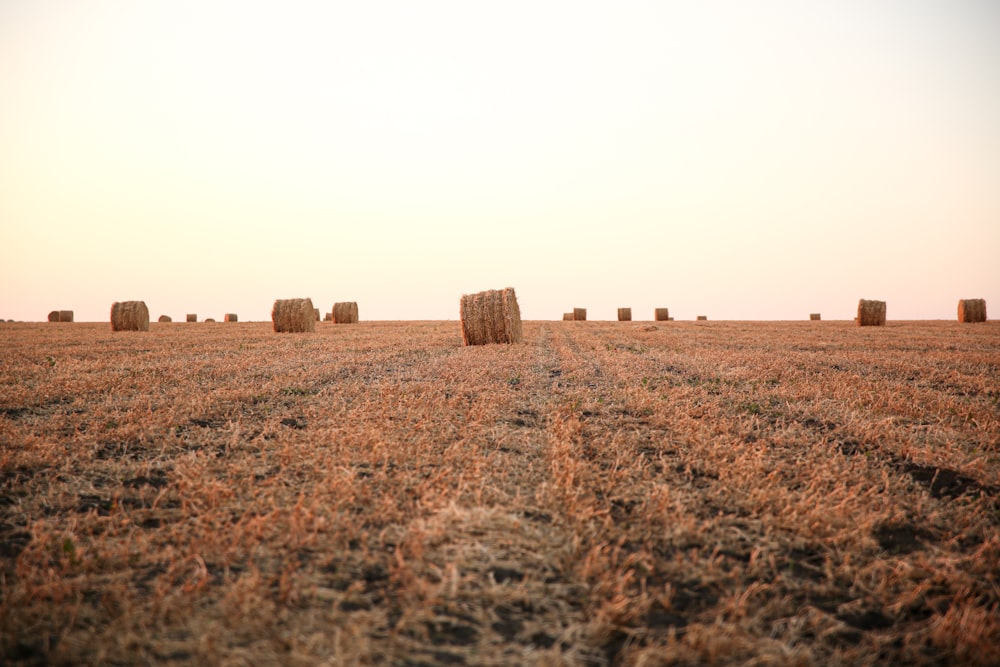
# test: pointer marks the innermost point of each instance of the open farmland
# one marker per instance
(604, 493)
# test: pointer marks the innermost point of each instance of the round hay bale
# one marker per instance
(972, 310)
(294, 316)
(492, 316)
(54, 316)
(661, 314)
(209, 319)
(580, 314)
(328, 317)
(624, 314)
(230, 317)
(568, 317)
(129, 316)
(192, 317)
(317, 314)
(702, 318)
(871, 313)
(165, 318)
(814, 317)
(65, 315)
(345, 312)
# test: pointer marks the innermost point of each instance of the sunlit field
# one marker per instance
(606, 493)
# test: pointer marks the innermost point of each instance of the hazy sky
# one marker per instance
(740, 160)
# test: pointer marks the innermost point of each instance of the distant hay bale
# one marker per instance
(702, 318)
(316, 310)
(230, 317)
(661, 314)
(871, 313)
(293, 316)
(209, 319)
(492, 316)
(65, 315)
(580, 314)
(54, 316)
(129, 316)
(972, 310)
(624, 314)
(568, 317)
(192, 317)
(165, 318)
(345, 312)
(814, 316)
(328, 317)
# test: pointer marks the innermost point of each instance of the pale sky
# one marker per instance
(740, 160)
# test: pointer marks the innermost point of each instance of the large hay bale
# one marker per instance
(661, 314)
(54, 316)
(813, 317)
(871, 313)
(624, 314)
(580, 314)
(192, 317)
(568, 317)
(165, 318)
(129, 316)
(65, 315)
(345, 312)
(293, 316)
(492, 316)
(230, 317)
(972, 310)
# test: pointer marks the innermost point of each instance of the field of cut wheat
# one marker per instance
(604, 493)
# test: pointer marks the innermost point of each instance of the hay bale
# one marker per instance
(192, 317)
(871, 313)
(65, 315)
(813, 317)
(972, 310)
(624, 314)
(580, 314)
(129, 316)
(293, 316)
(165, 318)
(230, 317)
(492, 316)
(345, 312)
(317, 314)
(568, 317)
(661, 314)
(328, 317)
(209, 319)
(54, 316)
(702, 318)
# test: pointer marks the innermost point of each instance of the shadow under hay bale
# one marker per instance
(972, 310)
(345, 312)
(871, 313)
(624, 314)
(294, 316)
(661, 314)
(129, 316)
(492, 316)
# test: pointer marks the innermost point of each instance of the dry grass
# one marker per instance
(492, 316)
(972, 310)
(661, 314)
(129, 316)
(712, 493)
(871, 313)
(294, 316)
(624, 314)
(345, 312)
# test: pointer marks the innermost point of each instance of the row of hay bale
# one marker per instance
(871, 313)
(300, 316)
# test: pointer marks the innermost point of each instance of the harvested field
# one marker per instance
(618, 494)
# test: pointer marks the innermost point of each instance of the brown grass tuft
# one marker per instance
(231, 317)
(580, 314)
(972, 310)
(345, 312)
(661, 314)
(492, 316)
(871, 313)
(129, 316)
(624, 314)
(294, 316)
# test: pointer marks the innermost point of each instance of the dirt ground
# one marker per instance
(606, 493)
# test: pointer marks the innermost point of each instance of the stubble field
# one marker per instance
(604, 494)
